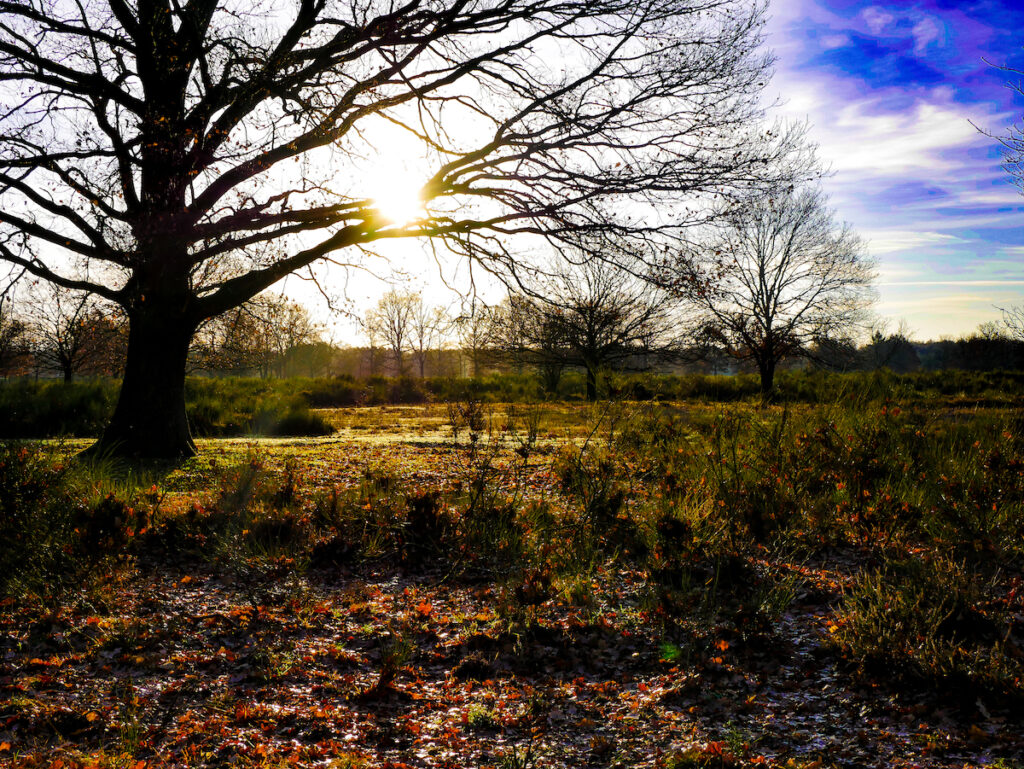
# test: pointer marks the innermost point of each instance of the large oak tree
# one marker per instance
(185, 155)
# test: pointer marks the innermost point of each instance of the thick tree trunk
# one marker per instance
(766, 369)
(591, 383)
(149, 421)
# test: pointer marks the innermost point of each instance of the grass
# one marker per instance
(223, 407)
(691, 544)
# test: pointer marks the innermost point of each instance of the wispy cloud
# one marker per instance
(893, 92)
(955, 283)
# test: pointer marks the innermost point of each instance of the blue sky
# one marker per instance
(890, 91)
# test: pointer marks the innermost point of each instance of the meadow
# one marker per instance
(477, 577)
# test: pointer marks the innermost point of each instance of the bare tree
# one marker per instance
(477, 331)
(777, 277)
(192, 153)
(392, 322)
(429, 326)
(1013, 140)
(511, 343)
(1013, 322)
(14, 339)
(256, 336)
(73, 332)
(594, 314)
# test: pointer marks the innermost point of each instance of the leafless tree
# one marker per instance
(393, 322)
(192, 153)
(255, 336)
(14, 339)
(476, 329)
(595, 314)
(430, 324)
(777, 277)
(73, 332)
(1013, 140)
(1013, 322)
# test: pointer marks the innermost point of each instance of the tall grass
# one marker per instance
(715, 504)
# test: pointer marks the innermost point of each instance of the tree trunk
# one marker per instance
(766, 369)
(591, 383)
(149, 421)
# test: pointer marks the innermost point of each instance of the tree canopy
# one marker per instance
(177, 157)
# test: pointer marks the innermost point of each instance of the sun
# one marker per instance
(398, 201)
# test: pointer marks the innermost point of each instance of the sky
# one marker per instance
(890, 91)
(894, 95)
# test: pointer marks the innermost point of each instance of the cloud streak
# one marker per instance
(893, 92)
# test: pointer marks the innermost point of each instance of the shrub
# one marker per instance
(49, 409)
(36, 521)
(931, 620)
(51, 533)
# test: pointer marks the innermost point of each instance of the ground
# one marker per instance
(207, 646)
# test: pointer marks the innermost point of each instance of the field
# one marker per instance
(464, 584)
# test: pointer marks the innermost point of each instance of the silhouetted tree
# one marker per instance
(987, 349)
(593, 314)
(776, 277)
(392, 322)
(477, 331)
(73, 332)
(256, 336)
(429, 326)
(14, 340)
(195, 152)
(893, 351)
(1013, 321)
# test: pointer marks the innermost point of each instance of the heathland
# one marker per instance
(457, 573)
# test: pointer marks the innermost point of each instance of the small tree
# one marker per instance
(255, 336)
(477, 331)
(429, 327)
(893, 351)
(74, 333)
(776, 277)
(393, 323)
(14, 340)
(594, 314)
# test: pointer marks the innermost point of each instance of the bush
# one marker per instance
(931, 620)
(51, 531)
(31, 409)
(36, 521)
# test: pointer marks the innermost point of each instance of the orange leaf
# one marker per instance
(715, 748)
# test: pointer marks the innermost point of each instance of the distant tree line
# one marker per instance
(586, 316)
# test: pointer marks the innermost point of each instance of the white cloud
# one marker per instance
(960, 297)
(926, 32)
(892, 241)
(831, 42)
(877, 19)
(867, 142)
